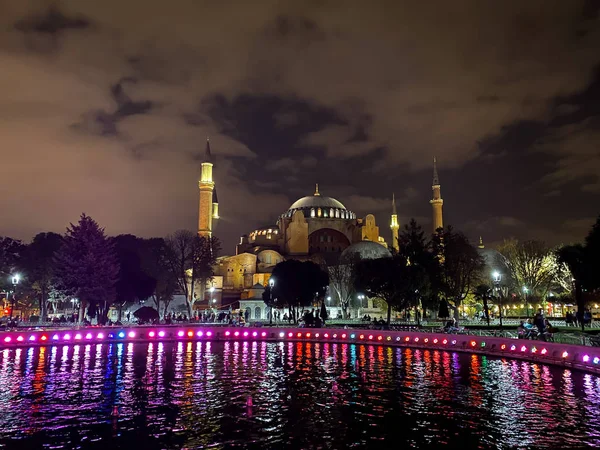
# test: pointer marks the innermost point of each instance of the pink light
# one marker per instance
(435, 341)
(426, 340)
(454, 342)
(151, 334)
(513, 347)
(67, 337)
(565, 354)
(445, 341)
(335, 336)
(290, 334)
(227, 333)
(379, 338)
(523, 349)
(544, 351)
(7, 339)
(55, 337)
(32, 338)
(209, 333)
(326, 335)
(343, 336)
(78, 336)
(254, 334)
(307, 335)
(586, 358)
(180, 333)
(88, 336)
(131, 334)
(245, 334)
(199, 334)
(370, 336)
(100, 336)
(20, 338)
(161, 334)
(317, 335)
(263, 334)
(398, 338)
(416, 339)
(236, 334)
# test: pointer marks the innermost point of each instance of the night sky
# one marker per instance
(105, 107)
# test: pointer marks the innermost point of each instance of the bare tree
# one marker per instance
(342, 278)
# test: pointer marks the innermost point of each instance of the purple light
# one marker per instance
(254, 334)
(20, 338)
(236, 334)
(88, 336)
(454, 342)
(78, 336)
(523, 349)
(544, 351)
(513, 347)
(209, 333)
(586, 358)
(180, 333)
(131, 334)
(199, 334)
(7, 339)
(55, 337)
(228, 333)
(100, 336)
(67, 337)
(151, 334)
(263, 334)
(32, 338)
(596, 360)
(161, 334)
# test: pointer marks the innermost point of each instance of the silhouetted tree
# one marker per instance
(342, 277)
(11, 251)
(443, 312)
(483, 293)
(298, 284)
(87, 268)
(38, 264)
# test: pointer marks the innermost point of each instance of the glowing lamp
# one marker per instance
(236, 334)
(435, 341)
(209, 333)
(482, 344)
(254, 334)
(88, 336)
(586, 358)
(317, 335)
(544, 351)
(20, 338)
(290, 335)
(513, 347)
(379, 338)
(523, 349)
(131, 334)
(533, 350)
(100, 336)
(416, 339)
(281, 335)
(307, 335)
(32, 338)
(335, 336)
(389, 338)
(406, 339)
(565, 354)
(370, 336)
(263, 334)
(445, 341)
(473, 343)
(161, 334)
(180, 333)
(245, 334)
(190, 333)
(299, 335)
(326, 335)
(199, 334)
(352, 336)
(454, 342)
(426, 340)
(122, 334)
(55, 337)
(362, 336)
(344, 336)
(227, 333)
(67, 337)
(596, 360)
(152, 334)
(7, 339)
(503, 347)
(44, 337)
(398, 338)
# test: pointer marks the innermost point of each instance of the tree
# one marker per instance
(156, 265)
(298, 284)
(38, 264)
(87, 268)
(483, 293)
(381, 278)
(443, 312)
(10, 255)
(191, 259)
(459, 266)
(342, 277)
(134, 283)
(531, 265)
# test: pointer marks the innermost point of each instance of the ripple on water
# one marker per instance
(288, 395)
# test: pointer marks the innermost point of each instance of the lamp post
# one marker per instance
(15, 281)
(212, 292)
(525, 291)
(497, 278)
(271, 284)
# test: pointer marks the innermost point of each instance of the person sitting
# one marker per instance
(530, 332)
(450, 326)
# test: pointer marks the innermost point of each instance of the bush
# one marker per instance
(34, 319)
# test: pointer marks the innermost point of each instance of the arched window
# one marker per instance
(331, 213)
(324, 212)
(343, 214)
(312, 212)
(319, 212)
(337, 213)
(268, 258)
(257, 313)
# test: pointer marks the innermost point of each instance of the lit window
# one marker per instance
(319, 212)
(331, 213)
(337, 213)
(312, 212)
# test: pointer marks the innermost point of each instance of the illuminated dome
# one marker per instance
(318, 206)
(365, 250)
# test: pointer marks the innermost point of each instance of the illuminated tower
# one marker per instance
(394, 226)
(208, 205)
(436, 201)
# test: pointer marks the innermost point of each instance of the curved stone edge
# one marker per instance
(565, 355)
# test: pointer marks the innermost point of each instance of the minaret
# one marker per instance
(316, 194)
(215, 205)
(394, 226)
(206, 207)
(436, 201)
(481, 243)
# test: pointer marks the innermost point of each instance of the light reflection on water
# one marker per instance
(288, 395)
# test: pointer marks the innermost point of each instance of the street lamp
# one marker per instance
(497, 278)
(271, 284)
(212, 291)
(525, 291)
(15, 281)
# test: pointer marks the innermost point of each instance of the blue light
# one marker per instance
(352, 336)
(596, 360)
(122, 334)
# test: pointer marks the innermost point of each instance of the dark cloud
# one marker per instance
(358, 96)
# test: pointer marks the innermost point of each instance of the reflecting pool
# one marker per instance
(288, 395)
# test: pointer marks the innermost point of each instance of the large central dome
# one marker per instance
(317, 205)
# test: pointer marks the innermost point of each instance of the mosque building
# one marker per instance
(314, 227)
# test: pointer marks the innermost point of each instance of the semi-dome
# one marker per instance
(365, 250)
(319, 206)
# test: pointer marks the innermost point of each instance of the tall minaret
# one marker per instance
(436, 201)
(206, 207)
(394, 226)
